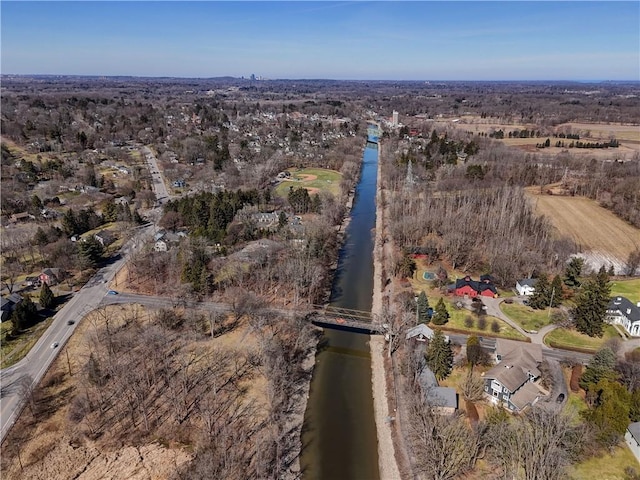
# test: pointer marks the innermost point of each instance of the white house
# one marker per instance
(632, 437)
(623, 312)
(526, 286)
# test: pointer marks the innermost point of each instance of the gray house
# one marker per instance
(511, 382)
(441, 399)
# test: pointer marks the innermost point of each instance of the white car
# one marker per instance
(54, 345)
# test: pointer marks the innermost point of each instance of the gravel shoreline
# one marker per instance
(386, 454)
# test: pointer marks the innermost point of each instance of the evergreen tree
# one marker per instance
(556, 292)
(423, 308)
(282, 220)
(573, 271)
(542, 293)
(441, 315)
(591, 304)
(46, 296)
(24, 315)
(610, 414)
(601, 366)
(299, 200)
(474, 350)
(439, 356)
(90, 252)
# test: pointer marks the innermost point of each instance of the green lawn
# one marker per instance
(626, 288)
(526, 317)
(606, 466)
(563, 338)
(457, 317)
(14, 350)
(326, 180)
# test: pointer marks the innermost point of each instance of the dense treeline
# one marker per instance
(208, 214)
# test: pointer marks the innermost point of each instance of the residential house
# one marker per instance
(443, 400)
(623, 312)
(473, 288)
(632, 437)
(105, 238)
(164, 240)
(526, 286)
(8, 305)
(421, 333)
(511, 382)
(50, 276)
(266, 219)
(179, 183)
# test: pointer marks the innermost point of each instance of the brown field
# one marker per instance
(598, 233)
(627, 135)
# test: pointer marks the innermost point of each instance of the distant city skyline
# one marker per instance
(478, 40)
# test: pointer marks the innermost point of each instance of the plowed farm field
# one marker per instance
(601, 237)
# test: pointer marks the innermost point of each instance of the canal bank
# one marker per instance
(339, 433)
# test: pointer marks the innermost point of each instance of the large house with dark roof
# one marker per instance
(473, 288)
(511, 382)
(623, 312)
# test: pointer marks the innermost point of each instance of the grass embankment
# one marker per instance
(574, 340)
(313, 179)
(527, 317)
(626, 288)
(14, 349)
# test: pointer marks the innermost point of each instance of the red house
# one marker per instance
(472, 288)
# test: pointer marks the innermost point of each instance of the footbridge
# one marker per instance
(344, 319)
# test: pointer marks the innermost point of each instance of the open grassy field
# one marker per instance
(626, 288)
(608, 466)
(601, 235)
(313, 179)
(527, 317)
(563, 338)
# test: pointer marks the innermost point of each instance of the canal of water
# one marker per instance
(339, 434)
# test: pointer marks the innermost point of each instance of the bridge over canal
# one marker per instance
(345, 319)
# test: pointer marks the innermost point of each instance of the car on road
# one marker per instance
(54, 345)
(70, 322)
(560, 398)
(112, 292)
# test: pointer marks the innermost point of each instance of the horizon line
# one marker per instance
(263, 79)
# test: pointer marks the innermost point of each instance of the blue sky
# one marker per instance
(342, 40)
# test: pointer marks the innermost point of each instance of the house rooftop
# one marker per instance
(624, 305)
(506, 347)
(525, 395)
(435, 395)
(528, 282)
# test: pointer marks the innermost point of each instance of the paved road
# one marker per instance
(30, 370)
(159, 187)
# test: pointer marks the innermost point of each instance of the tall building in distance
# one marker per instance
(253, 77)
(394, 119)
